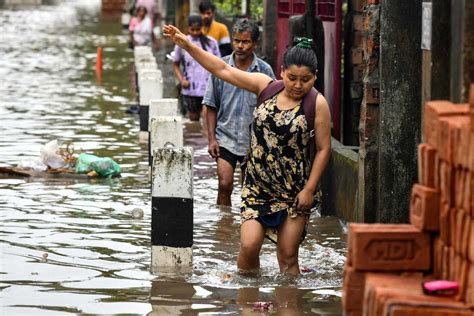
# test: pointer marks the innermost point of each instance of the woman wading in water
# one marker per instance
(281, 175)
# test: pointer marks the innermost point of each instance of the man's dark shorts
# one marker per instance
(232, 158)
(192, 104)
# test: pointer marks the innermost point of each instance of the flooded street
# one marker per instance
(98, 255)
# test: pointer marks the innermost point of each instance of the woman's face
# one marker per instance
(141, 12)
(298, 80)
(195, 30)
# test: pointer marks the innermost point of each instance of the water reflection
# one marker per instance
(98, 255)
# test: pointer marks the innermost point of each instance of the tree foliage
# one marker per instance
(233, 8)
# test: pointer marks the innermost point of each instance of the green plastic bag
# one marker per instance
(104, 167)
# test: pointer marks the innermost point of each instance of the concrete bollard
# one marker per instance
(163, 107)
(151, 87)
(141, 51)
(172, 208)
(160, 107)
(143, 59)
(165, 131)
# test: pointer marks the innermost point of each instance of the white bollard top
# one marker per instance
(150, 82)
(163, 107)
(166, 131)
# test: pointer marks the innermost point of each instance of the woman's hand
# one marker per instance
(176, 36)
(184, 83)
(304, 200)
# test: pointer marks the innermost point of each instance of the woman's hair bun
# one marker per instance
(303, 42)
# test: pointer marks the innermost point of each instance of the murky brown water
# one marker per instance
(98, 255)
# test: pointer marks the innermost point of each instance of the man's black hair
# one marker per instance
(206, 5)
(246, 25)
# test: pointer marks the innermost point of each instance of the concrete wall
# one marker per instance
(340, 183)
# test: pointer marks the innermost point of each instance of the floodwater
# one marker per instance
(98, 255)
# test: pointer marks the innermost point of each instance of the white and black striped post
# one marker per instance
(165, 131)
(172, 208)
(150, 82)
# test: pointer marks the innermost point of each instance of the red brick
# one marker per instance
(453, 139)
(433, 111)
(459, 230)
(470, 254)
(453, 219)
(471, 193)
(446, 182)
(452, 264)
(466, 237)
(459, 133)
(430, 172)
(414, 309)
(444, 223)
(459, 181)
(353, 289)
(470, 285)
(466, 203)
(377, 281)
(464, 225)
(384, 294)
(385, 247)
(424, 208)
(420, 161)
(446, 263)
(471, 97)
(373, 1)
(438, 257)
(462, 278)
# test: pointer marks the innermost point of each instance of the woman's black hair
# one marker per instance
(141, 7)
(196, 19)
(301, 53)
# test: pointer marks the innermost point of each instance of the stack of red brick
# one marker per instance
(387, 263)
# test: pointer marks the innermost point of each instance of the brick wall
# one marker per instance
(387, 263)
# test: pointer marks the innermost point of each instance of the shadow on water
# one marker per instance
(72, 247)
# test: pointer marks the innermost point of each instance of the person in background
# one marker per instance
(140, 28)
(214, 29)
(229, 109)
(193, 78)
(150, 6)
(281, 175)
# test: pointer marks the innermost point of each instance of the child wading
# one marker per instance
(193, 78)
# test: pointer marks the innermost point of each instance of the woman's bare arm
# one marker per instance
(253, 82)
(322, 125)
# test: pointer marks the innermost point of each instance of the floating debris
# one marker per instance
(227, 277)
(262, 305)
(137, 213)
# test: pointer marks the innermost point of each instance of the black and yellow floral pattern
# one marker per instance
(278, 167)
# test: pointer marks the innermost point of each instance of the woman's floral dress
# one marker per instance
(278, 166)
